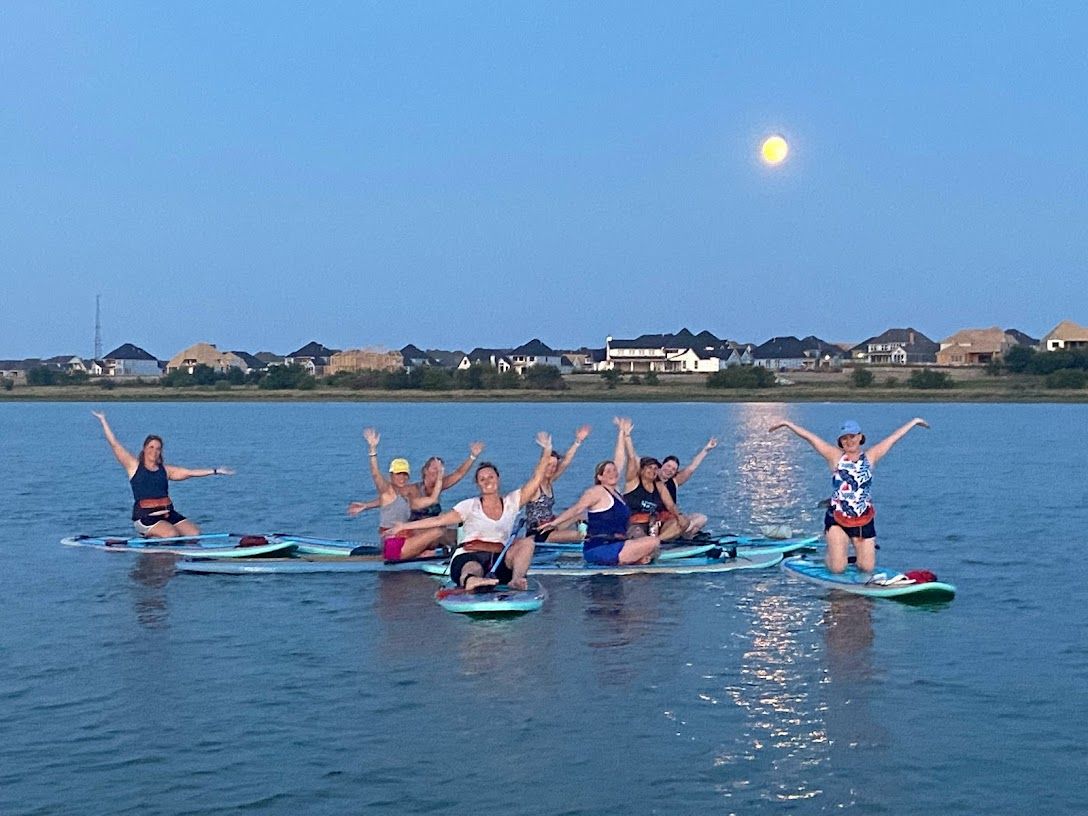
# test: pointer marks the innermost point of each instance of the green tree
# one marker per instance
(928, 379)
(44, 375)
(741, 377)
(861, 378)
(1019, 359)
(544, 377)
(7, 384)
(611, 378)
(651, 379)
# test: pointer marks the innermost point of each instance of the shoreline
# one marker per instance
(978, 390)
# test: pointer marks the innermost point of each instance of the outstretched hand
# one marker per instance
(476, 448)
(712, 443)
(224, 471)
(99, 415)
(921, 423)
(582, 433)
(544, 439)
(355, 508)
(777, 427)
(372, 437)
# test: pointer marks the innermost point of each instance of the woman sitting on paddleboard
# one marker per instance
(607, 515)
(540, 508)
(670, 477)
(850, 516)
(397, 499)
(488, 524)
(153, 514)
(649, 502)
(432, 472)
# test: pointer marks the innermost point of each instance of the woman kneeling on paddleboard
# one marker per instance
(488, 524)
(153, 514)
(850, 516)
(607, 514)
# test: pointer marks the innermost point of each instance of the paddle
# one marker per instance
(448, 591)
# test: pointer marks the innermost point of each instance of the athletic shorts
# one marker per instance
(605, 552)
(485, 560)
(867, 530)
(145, 521)
(538, 535)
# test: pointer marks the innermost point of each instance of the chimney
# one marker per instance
(910, 338)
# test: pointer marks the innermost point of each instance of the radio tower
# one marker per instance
(97, 327)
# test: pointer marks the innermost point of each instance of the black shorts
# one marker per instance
(538, 535)
(867, 530)
(485, 560)
(145, 521)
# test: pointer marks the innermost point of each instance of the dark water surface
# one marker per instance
(125, 689)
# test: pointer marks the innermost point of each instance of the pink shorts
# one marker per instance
(392, 547)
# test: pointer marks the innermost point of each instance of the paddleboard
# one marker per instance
(314, 545)
(879, 584)
(501, 600)
(676, 566)
(686, 548)
(208, 545)
(301, 565)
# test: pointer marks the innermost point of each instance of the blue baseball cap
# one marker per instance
(849, 427)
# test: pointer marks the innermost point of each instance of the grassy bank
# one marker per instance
(969, 386)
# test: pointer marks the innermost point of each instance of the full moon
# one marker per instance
(774, 150)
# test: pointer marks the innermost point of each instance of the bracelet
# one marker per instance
(215, 471)
(472, 457)
(373, 453)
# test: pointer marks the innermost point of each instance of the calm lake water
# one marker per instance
(126, 689)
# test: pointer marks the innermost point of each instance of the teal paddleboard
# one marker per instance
(207, 545)
(501, 600)
(676, 566)
(883, 583)
(301, 565)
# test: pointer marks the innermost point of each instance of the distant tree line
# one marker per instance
(1061, 369)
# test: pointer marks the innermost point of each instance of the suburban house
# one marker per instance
(790, 354)
(206, 354)
(975, 347)
(680, 353)
(352, 360)
(67, 363)
(267, 359)
(496, 358)
(535, 353)
(896, 347)
(414, 357)
(586, 359)
(15, 370)
(313, 357)
(1066, 335)
(130, 361)
(446, 359)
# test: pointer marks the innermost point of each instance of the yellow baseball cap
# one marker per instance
(399, 466)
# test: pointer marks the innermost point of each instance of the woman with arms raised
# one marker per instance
(607, 516)
(397, 499)
(153, 513)
(488, 523)
(540, 506)
(850, 516)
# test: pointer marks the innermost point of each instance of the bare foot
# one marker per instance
(474, 583)
(518, 583)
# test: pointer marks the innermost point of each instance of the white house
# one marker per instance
(1066, 335)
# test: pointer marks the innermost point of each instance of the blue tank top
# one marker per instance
(609, 524)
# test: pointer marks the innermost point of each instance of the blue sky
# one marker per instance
(261, 174)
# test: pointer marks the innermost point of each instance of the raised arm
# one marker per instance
(623, 431)
(418, 502)
(685, 474)
(528, 490)
(579, 437)
(474, 451)
(829, 452)
(127, 460)
(631, 476)
(372, 438)
(877, 451)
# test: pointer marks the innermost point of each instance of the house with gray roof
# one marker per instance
(790, 353)
(128, 360)
(896, 347)
(536, 353)
(314, 357)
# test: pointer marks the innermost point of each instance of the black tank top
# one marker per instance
(148, 484)
(641, 500)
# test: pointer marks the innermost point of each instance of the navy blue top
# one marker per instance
(607, 525)
(148, 484)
